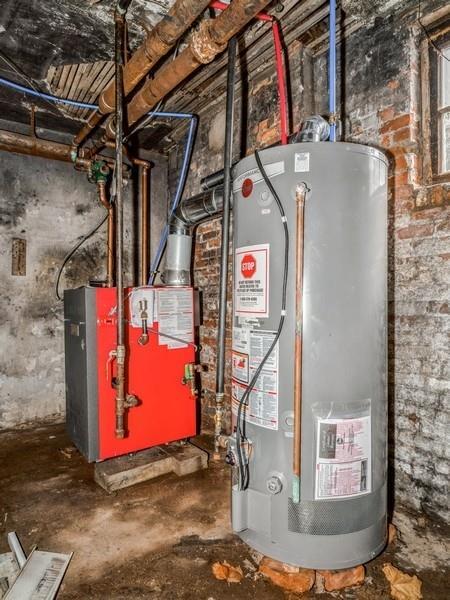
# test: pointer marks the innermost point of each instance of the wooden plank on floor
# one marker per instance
(124, 471)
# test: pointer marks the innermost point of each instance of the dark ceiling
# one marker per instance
(35, 35)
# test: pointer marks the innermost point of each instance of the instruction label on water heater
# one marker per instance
(301, 163)
(343, 458)
(251, 276)
(249, 348)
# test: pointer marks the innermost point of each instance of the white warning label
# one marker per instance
(343, 458)
(251, 275)
(249, 348)
(301, 164)
(175, 310)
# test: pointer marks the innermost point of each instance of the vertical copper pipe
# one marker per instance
(144, 194)
(111, 246)
(144, 224)
(299, 257)
(101, 186)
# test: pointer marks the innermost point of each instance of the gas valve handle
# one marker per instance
(112, 356)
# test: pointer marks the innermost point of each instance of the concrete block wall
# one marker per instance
(379, 102)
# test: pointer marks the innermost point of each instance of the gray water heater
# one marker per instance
(333, 515)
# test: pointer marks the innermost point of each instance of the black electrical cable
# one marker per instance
(72, 252)
(240, 429)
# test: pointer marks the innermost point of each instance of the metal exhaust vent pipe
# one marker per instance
(190, 213)
(314, 129)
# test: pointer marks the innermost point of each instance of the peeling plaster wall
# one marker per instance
(50, 205)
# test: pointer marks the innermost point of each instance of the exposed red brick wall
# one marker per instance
(206, 278)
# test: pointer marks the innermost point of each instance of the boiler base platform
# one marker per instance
(124, 471)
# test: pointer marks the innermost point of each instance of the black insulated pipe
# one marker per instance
(227, 183)
(189, 213)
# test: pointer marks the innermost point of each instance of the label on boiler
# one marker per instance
(141, 306)
(251, 281)
(175, 310)
(343, 458)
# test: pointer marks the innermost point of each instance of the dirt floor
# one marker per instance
(159, 539)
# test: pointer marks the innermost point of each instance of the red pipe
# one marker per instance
(278, 48)
(262, 16)
(280, 81)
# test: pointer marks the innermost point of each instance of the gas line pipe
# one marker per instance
(120, 353)
(223, 278)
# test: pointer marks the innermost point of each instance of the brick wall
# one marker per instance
(379, 102)
(382, 109)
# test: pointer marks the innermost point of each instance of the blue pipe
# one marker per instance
(177, 197)
(332, 70)
(184, 167)
(57, 100)
(50, 97)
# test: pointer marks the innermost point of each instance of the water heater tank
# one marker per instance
(337, 517)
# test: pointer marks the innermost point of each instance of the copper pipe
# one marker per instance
(101, 186)
(144, 168)
(91, 153)
(103, 142)
(144, 225)
(210, 40)
(93, 121)
(299, 258)
(158, 42)
(33, 146)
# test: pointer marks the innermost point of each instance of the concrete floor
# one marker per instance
(159, 539)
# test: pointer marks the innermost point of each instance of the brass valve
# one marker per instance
(190, 370)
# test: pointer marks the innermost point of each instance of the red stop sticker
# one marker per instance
(248, 266)
(247, 187)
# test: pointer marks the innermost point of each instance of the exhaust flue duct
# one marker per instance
(190, 213)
